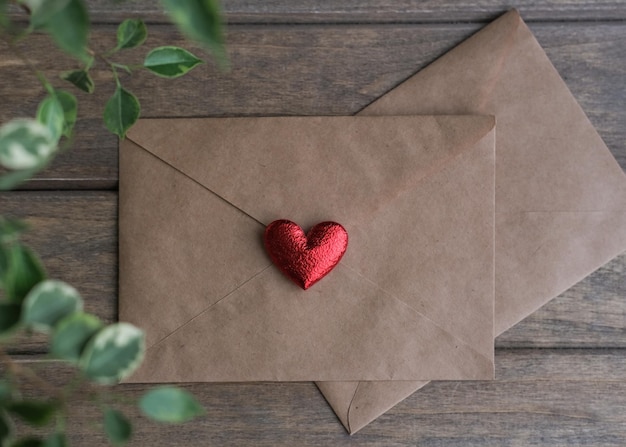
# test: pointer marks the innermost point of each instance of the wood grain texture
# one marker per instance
(323, 57)
(76, 234)
(372, 11)
(539, 397)
(300, 70)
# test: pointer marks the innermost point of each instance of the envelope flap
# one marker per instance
(310, 168)
(550, 158)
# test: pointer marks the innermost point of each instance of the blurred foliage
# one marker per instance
(30, 302)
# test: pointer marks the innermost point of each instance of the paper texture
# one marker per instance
(412, 298)
(560, 194)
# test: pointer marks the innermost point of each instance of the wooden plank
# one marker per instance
(299, 70)
(76, 234)
(372, 11)
(539, 397)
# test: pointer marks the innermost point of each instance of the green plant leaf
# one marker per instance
(9, 319)
(33, 412)
(25, 144)
(131, 33)
(71, 334)
(69, 104)
(48, 302)
(69, 28)
(117, 427)
(113, 353)
(81, 79)
(6, 428)
(41, 11)
(23, 271)
(58, 112)
(200, 20)
(170, 62)
(30, 441)
(170, 404)
(121, 112)
(50, 114)
(55, 440)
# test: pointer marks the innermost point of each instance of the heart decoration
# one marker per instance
(305, 258)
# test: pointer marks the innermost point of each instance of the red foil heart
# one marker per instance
(305, 258)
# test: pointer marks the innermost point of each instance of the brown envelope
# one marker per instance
(412, 299)
(560, 194)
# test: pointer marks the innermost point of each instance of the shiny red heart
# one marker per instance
(305, 258)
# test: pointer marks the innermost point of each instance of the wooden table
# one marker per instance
(560, 373)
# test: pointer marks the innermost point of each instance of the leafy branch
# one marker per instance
(99, 354)
(27, 146)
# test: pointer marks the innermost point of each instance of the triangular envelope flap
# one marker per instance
(172, 247)
(359, 403)
(309, 169)
(434, 247)
(268, 330)
(550, 157)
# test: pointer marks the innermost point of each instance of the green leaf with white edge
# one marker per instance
(30, 441)
(25, 144)
(121, 112)
(131, 33)
(170, 62)
(41, 11)
(9, 319)
(200, 20)
(170, 404)
(117, 427)
(55, 440)
(33, 412)
(48, 302)
(71, 334)
(69, 29)
(81, 79)
(50, 114)
(113, 353)
(23, 271)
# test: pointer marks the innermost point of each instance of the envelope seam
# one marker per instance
(205, 310)
(443, 163)
(196, 182)
(356, 390)
(464, 343)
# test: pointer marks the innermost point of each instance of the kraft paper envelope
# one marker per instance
(411, 299)
(560, 194)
